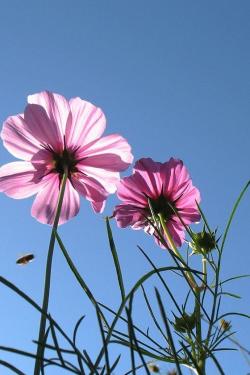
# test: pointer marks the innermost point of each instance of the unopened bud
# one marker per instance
(225, 325)
(203, 242)
(172, 372)
(153, 368)
(185, 323)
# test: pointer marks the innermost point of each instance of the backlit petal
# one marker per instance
(20, 179)
(44, 129)
(45, 203)
(87, 123)
(114, 149)
(18, 139)
(56, 107)
(92, 190)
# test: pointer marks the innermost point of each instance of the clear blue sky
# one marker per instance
(173, 78)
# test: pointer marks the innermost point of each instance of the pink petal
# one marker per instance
(42, 127)
(149, 172)
(20, 179)
(45, 203)
(56, 107)
(177, 232)
(112, 144)
(131, 191)
(174, 174)
(87, 123)
(189, 215)
(189, 199)
(129, 215)
(18, 139)
(106, 179)
(92, 190)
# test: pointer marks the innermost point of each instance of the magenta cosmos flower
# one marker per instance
(51, 134)
(168, 186)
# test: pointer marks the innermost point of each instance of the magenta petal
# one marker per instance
(174, 174)
(112, 144)
(132, 191)
(149, 172)
(106, 179)
(45, 130)
(98, 207)
(56, 107)
(103, 159)
(86, 124)
(45, 203)
(129, 215)
(18, 139)
(92, 190)
(20, 179)
(177, 232)
(167, 185)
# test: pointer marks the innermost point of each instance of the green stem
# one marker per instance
(176, 251)
(40, 346)
(200, 352)
(204, 271)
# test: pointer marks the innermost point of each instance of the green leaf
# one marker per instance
(115, 259)
(171, 341)
(234, 278)
(229, 295)
(233, 213)
(78, 276)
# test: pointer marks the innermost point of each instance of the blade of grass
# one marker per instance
(165, 321)
(32, 355)
(135, 327)
(38, 308)
(53, 334)
(106, 354)
(132, 291)
(233, 278)
(115, 363)
(152, 314)
(11, 367)
(132, 355)
(78, 276)
(115, 258)
(42, 328)
(121, 336)
(133, 338)
(76, 328)
(233, 213)
(191, 357)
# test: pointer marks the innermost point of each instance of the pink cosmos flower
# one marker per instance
(51, 134)
(170, 190)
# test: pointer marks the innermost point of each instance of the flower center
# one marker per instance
(64, 160)
(163, 206)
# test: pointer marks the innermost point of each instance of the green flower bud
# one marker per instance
(203, 242)
(185, 323)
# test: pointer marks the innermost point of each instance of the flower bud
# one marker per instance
(185, 323)
(225, 325)
(153, 368)
(203, 242)
(172, 372)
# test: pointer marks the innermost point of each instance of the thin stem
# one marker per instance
(40, 347)
(175, 250)
(204, 271)
(200, 356)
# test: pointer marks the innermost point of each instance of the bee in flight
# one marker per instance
(25, 259)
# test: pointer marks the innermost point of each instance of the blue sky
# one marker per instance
(173, 78)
